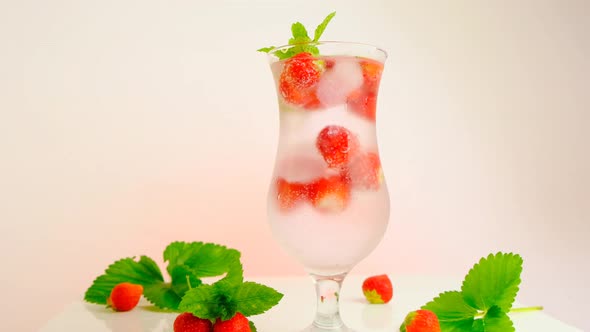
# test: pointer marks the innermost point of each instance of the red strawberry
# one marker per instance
(420, 321)
(125, 296)
(290, 193)
(378, 289)
(299, 79)
(239, 323)
(371, 73)
(330, 194)
(337, 144)
(363, 102)
(365, 171)
(186, 322)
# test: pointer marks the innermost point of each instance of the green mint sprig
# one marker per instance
(187, 264)
(301, 41)
(485, 299)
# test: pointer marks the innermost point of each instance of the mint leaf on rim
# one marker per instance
(300, 40)
(319, 31)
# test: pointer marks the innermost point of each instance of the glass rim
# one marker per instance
(330, 42)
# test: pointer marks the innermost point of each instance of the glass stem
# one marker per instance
(328, 308)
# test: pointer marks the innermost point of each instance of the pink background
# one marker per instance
(125, 125)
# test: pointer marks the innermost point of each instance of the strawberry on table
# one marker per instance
(298, 80)
(420, 321)
(330, 194)
(337, 144)
(125, 296)
(187, 322)
(365, 171)
(238, 323)
(289, 194)
(378, 289)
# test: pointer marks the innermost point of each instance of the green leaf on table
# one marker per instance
(493, 281)
(187, 263)
(485, 299)
(252, 326)
(200, 302)
(495, 320)
(144, 272)
(224, 298)
(203, 259)
(452, 311)
(254, 299)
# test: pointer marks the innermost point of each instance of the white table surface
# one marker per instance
(296, 310)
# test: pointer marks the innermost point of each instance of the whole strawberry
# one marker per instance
(298, 80)
(238, 323)
(187, 322)
(420, 321)
(378, 289)
(125, 296)
(337, 145)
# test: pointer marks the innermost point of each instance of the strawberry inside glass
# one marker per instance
(328, 203)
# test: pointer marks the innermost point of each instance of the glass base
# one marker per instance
(314, 328)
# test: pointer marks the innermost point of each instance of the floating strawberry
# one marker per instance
(125, 296)
(330, 194)
(420, 321)
(371, 74)
(363, 102)
(290, 193)
(238, 323)
(378, 289)
(187, 322)
(365, 171)
(337, 144)
(298, 80)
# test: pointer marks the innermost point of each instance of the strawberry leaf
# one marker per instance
(452, 311)
(252, 326)
(493, 281)
(144, 272)
(203, 259)
(495, 320)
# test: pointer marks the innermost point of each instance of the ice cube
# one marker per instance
(337, 82)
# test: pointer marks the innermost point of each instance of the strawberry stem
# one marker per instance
(526, 309)
(482, 314)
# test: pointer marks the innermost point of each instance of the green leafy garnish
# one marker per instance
(300, 40)
(187, 264)
(225, 298)
(485, 299)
